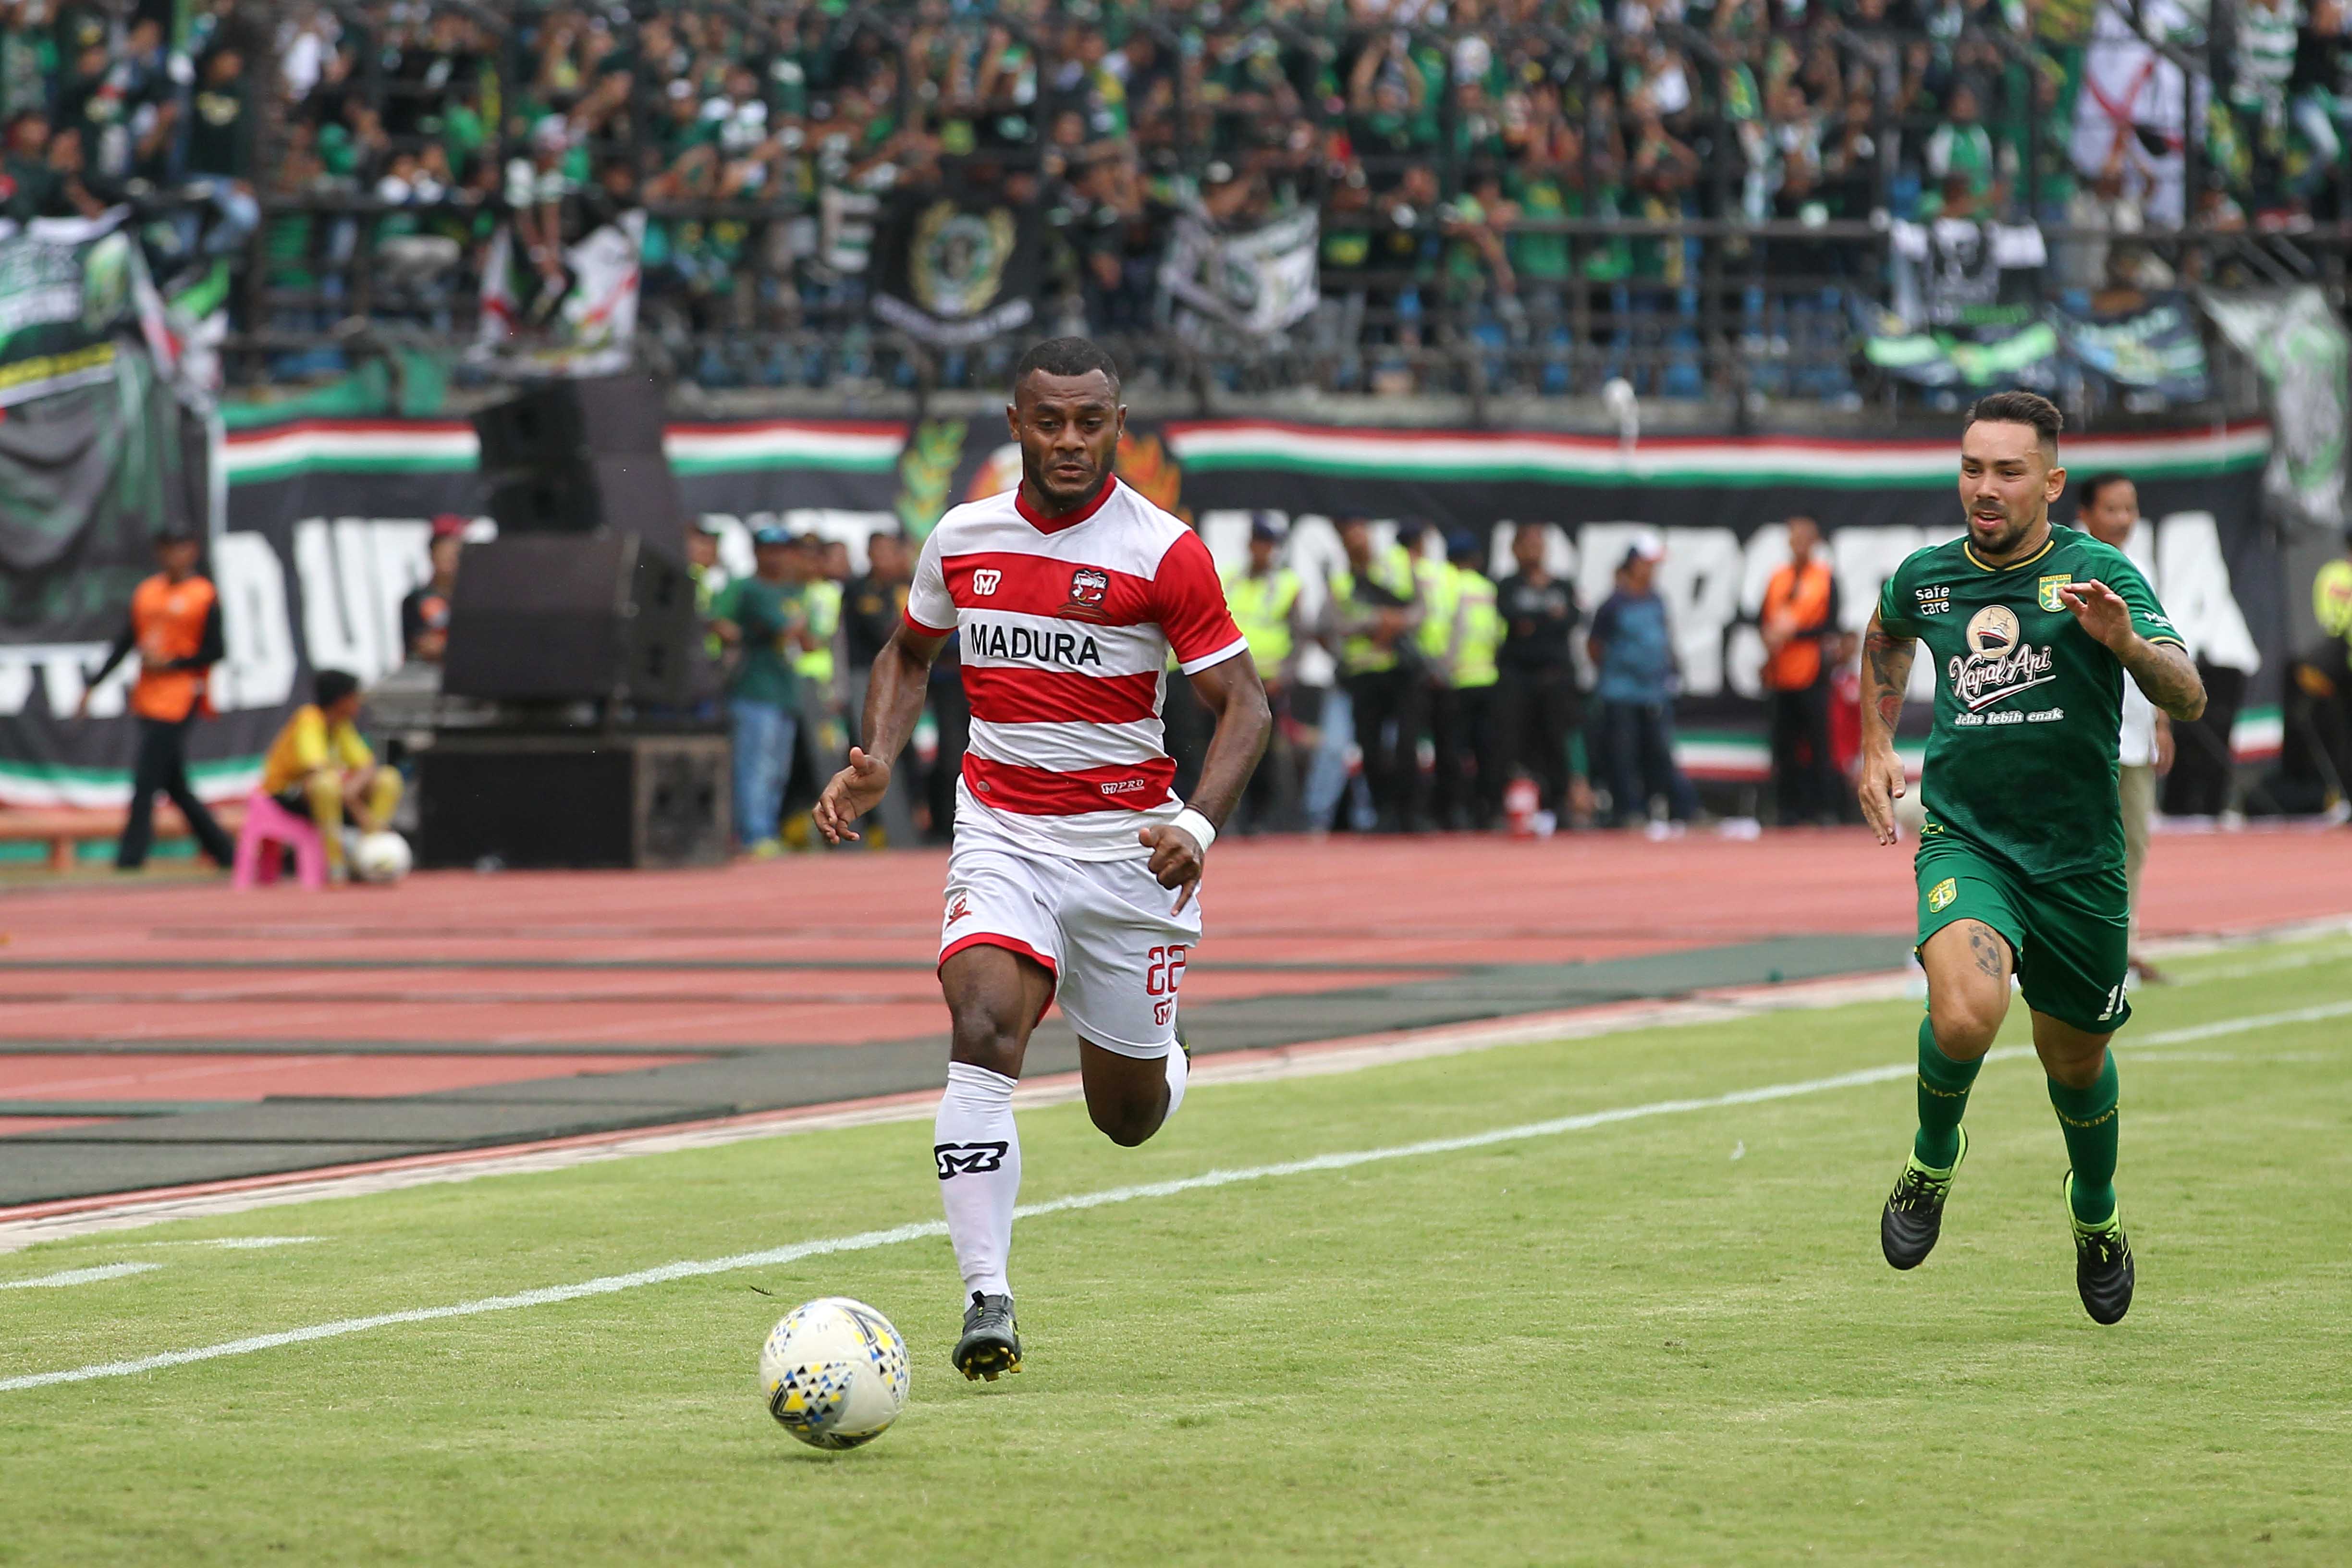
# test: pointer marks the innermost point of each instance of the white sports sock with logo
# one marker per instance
(1180, 1073)
(979, 1157)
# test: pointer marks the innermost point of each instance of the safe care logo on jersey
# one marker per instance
(1999, 664)
(1934, 599)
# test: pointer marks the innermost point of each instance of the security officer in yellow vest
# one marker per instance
(1263, 595)
(2315, 768)
(1376, 614)
(823, 736)
(1477, 634)
(1433, 575)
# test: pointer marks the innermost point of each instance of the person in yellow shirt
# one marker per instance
(318, 766)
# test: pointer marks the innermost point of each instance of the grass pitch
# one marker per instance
(1664, 1338)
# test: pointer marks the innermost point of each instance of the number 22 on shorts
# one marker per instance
(1163, 974)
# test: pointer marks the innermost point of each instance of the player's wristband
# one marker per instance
(1193, 823)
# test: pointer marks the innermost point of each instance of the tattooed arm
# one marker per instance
(1886, 675)
(2167, 677)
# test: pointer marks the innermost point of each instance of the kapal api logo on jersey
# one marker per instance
(1998, 665)
(1088, 588)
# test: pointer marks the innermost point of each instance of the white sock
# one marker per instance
(1180, 1073)
(979, 1156)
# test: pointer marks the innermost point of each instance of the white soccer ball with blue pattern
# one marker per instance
(834, 1372)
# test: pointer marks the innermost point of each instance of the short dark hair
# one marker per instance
(2087, 494)
(2020, 408)
(1066, 356)
(329, 687)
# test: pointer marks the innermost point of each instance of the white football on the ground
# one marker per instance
(834, 1372)
(381, 858)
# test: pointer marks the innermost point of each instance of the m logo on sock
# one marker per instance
(974, 1159)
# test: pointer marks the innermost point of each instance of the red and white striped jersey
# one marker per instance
(1066, 624)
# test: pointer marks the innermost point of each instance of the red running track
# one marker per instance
(699, 948)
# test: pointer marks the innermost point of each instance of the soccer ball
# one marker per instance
(834, 1372)
(381, 858)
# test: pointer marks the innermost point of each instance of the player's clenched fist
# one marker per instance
(1177, 860)
(854, 791)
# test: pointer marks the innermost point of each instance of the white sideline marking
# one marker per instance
(2237, 1026)
(239, 1243)
(2267, 966)
(865, 1241)
(924, 1230)
(78, 1276)
(1260, 1065)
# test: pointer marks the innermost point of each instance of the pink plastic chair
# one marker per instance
(268, 829)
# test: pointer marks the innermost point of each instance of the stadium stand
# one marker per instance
(1528, 197)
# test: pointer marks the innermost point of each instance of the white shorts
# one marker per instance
(1105, 930)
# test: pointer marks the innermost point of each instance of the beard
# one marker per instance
(1066, 494)
(2010, 532)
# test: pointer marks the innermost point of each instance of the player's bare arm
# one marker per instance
(1885, 676)
(2165, 672)
(1230, 690)
(894, 701)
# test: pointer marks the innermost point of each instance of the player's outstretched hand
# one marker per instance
(1880, 787)
(2098, 610)
(1176, 860)
(854, 791)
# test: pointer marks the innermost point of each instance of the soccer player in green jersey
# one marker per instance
(2020, 862)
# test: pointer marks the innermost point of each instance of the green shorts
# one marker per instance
(2071, 937)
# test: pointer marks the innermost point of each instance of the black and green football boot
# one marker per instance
(1914, 1216)
(991, 1345)
(2103, 1262)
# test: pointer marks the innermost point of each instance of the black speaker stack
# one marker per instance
(574, 799)
(583, 597)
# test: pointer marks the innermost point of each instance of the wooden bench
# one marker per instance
(65, 828)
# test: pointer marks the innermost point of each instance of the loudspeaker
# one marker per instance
(552, 616)
(561, 420)
(573, 800)
(632, 492)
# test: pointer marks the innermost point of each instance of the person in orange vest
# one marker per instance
(175, 625)
(1802, 648)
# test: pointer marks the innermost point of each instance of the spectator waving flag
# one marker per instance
(1258, 281)
(594, 318)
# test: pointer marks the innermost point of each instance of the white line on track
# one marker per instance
(78, 1276)
(865, 1241)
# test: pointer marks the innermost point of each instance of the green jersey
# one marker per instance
(2022, 760)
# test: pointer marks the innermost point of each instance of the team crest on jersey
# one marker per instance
(2049, 591)
(1088, 589)
(958, 905)
(985, 582)
(2000, 663)
(1940, 896)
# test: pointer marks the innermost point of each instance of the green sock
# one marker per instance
(1943, 1095)
(2087, 1117)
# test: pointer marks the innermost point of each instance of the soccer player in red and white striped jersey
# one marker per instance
(1076, 872)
